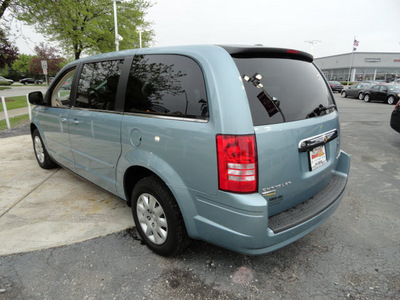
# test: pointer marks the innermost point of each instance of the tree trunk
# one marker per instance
(3, 7)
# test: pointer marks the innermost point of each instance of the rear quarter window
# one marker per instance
(166, 85)
(297, 86)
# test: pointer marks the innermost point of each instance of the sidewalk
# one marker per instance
(14, 112)
(41, 209)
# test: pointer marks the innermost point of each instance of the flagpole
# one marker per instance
(351, 63)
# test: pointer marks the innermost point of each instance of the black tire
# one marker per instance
(361, 96)
(391, 100)
(366, 98)
(41, 154)
(158, 218)
(343, 94)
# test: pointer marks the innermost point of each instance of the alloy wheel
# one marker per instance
(39, 149)
(152, 218)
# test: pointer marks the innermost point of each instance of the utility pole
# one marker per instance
(312, 43)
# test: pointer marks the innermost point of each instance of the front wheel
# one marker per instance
(343, 94)
(366, 98)
(361, 96)
(157, 217)
(390, 100)
(42, 156)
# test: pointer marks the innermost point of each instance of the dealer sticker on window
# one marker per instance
(317, 157)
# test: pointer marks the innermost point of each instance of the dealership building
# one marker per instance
(361, 66)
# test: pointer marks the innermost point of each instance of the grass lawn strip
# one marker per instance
(15, 122)
(15, 102)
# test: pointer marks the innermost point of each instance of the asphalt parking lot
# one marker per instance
(354, 255)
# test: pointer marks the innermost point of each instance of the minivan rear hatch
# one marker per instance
(295, 123)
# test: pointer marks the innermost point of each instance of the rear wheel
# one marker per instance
(343, 94)
(366, 98)
(391, 100)
(158, 218)
(42, 156)
(361, 96)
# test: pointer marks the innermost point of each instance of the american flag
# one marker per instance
(355, 44)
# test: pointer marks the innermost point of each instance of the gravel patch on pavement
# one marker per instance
(20, 130)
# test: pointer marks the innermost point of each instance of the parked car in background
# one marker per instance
(395, 118)
(39, 81)
(6, 79)
(356, 90)
(27, 80)
(336, 86)
(389, 94)
(250, 165)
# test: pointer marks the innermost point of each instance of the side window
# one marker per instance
(170, 85)
(61, 93)
(98, 83)
(383, 88)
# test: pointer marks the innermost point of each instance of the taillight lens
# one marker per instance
(237, 163)
(397, 105)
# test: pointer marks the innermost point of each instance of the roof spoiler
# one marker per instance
(257, 51)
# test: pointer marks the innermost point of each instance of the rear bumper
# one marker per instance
(242, 224)
(337, 89)
(310, 208)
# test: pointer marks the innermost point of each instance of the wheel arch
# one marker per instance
(183, 197)
(132, 175)
(33, 127)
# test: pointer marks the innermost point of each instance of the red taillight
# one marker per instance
(292, 51)
(237, 163)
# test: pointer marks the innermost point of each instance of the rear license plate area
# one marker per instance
(317, 157)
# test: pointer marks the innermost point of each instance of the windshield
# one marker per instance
(394, 87)
(296, 87)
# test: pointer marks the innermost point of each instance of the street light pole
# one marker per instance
(140, 30)
(116, 26)
(313, 42)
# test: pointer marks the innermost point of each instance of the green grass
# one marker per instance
(4, 88)
(15, 122)
(16, 102)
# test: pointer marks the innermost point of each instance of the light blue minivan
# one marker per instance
(238, 146)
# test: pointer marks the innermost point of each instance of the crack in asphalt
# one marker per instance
(30, 192)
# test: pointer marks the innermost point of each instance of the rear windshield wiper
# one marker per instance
(270, 103)
(317, 111)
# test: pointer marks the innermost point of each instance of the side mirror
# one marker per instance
(36, 98)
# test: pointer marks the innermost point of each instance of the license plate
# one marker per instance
(317, 157)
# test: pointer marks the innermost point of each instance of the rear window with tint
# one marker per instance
(166, 85)
(296, 87)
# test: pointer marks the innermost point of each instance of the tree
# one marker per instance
(85, 25)
(3, 6)
(8, 52)
(21, 65)
(54, 61)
